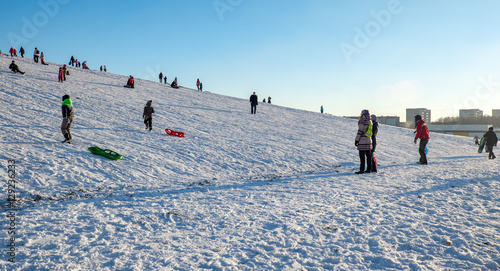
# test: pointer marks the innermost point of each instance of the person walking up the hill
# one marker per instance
(201, 86)
(363, 142)
(321, 109)
(12, 51)
(269, 99)
(491, 140)
(422, 133)
(253, 103)
(72, 61)
(198, 84)
(21, 51)
(13, 67)
(105, 69)
(165, 79)
(147, 115)
(61, 75)
(36, 55)
(67, 114)
(65, 71)
(160, 76)
(374, 142)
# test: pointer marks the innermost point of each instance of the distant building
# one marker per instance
(389, 120)
(495, 112)
(412, 112)
(476, 113)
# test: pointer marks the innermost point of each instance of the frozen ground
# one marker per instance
(271, 191)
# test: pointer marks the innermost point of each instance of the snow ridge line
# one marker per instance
(102, 193)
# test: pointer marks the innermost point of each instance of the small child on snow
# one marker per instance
(61, 74)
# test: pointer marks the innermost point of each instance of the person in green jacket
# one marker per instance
(67, 114)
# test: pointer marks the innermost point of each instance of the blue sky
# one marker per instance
(345, 55)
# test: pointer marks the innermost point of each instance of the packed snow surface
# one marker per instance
(271, 191)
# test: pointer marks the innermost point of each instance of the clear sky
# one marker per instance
(385, 56)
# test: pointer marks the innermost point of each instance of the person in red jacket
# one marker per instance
(130, 82)
(422, 133)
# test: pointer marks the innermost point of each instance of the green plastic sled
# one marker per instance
(106, 153)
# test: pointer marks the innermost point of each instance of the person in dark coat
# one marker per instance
(13, 66)
(269, 99)
(72, 60)
(165, 80)
(67, 114)
(374, 141)
(160, 76)
(21, 51)
(174, 83)
(321, 109)
(253, 103)
(201, 86)
(363, 142)
(491, 140)
(147, 115)
(36, 55)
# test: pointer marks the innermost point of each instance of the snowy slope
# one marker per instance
(271, 191)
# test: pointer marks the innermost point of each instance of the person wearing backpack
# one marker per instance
(147, 115)
(363, 142)
(422, 133)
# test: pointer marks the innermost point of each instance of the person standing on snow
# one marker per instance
(198, 84)
(11, 51)
(65, 70)
(491, 140)
(21, 51)
(253, 103)
(363, 142)
(61, 75)
(36, 55)
(67, 114)
(422, 133)
(321, 109)
(201, 86)
(374, 141)
(269, 99)
(147, 115)
(476, 140)
(160, 76)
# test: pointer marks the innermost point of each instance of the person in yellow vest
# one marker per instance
(363, 142)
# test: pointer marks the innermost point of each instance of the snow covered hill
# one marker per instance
(271, 191)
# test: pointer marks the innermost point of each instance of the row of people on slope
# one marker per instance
(254, 101)
(68, 117)
(174, 83)
(13, 52)
(131, 84)
(75, 63)
(366, 141)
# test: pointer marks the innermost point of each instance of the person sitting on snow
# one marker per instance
(130, 82)
(13, 66)
(174, 83)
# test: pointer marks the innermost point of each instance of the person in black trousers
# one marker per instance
(253, 102)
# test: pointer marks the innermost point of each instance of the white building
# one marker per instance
(471, 113)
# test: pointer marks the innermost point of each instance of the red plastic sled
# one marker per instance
(174, 133)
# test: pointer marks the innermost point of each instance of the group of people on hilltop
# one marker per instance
(104, 68)
(254, 101)
(13, 52)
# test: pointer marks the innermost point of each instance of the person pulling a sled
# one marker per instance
(491, 140)
(67, 114)
(363, 142)
(147, 115)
